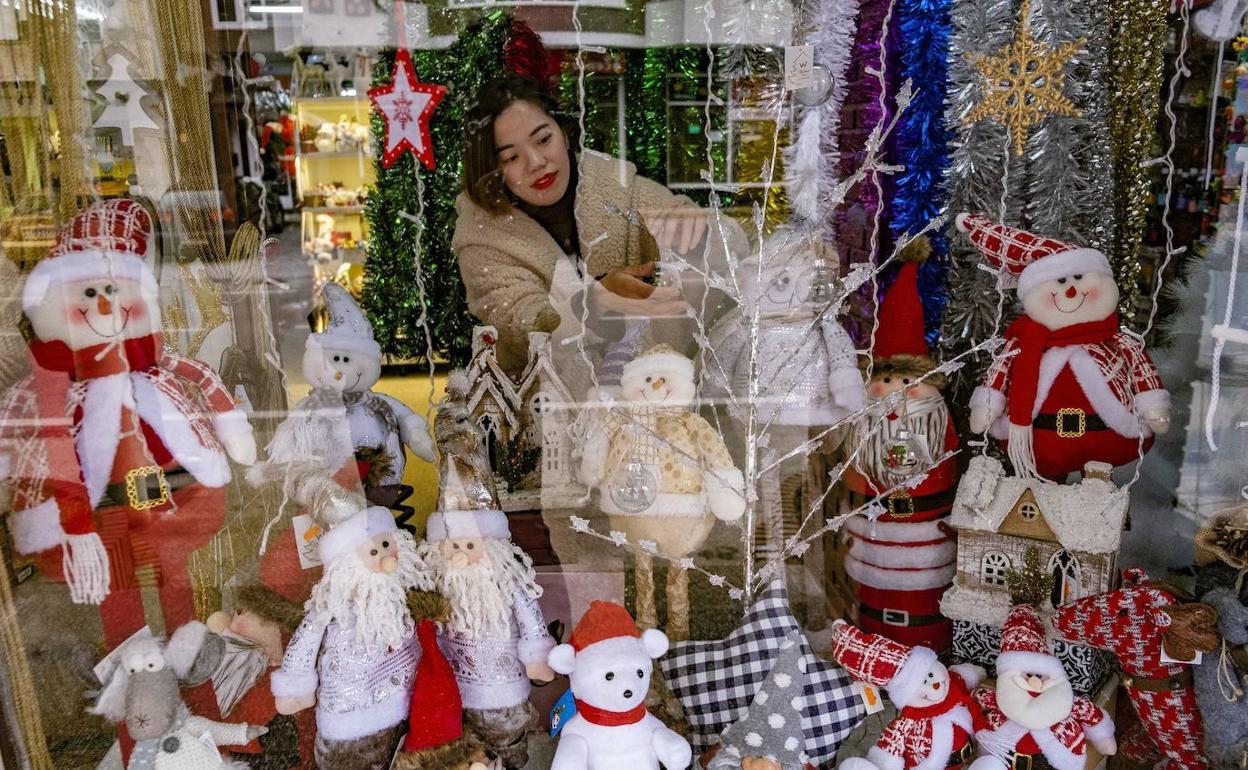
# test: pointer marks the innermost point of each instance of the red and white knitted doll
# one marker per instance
(1033, 710)
(1130, 622)
(903, 561)
(1069, 387)
(937, 717)
(117, 447)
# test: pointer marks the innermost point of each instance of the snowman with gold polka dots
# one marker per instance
(663, 475)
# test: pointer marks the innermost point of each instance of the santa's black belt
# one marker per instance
(1069, 423)
(910, 620)
(902, 504)
(146, 487)
(1027, 761)
(963, 755)
(1178, 681)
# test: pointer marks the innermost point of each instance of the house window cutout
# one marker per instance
(490, 428)
(993, 567)
(1026, 519)
(538, 404)
(1029, 511)
(1065, 570)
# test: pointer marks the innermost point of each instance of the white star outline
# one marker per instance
(407, 105)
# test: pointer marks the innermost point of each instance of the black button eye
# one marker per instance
(346, 359)
(641, 674)
(1062, 281)
(471, 546)
(455, 546)
(109, 289)
(337, 358)
(1122, 613)
(171, 745)
(906, 381)
(648, 379)
(888, 380)
(1078, 276)
(373, 552)
(610, 675)
(385, 543)
(90, 292)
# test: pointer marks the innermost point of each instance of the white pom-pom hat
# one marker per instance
(355, 532)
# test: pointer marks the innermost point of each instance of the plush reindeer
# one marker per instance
(1133, 622)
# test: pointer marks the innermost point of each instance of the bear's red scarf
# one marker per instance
(1033, 339)
(597, 716)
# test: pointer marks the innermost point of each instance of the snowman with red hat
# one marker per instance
(609, 662)
(118, 448)
(1070, 386)
(937, 717)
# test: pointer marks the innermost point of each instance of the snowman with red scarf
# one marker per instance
(116, 447)
(1070, 386)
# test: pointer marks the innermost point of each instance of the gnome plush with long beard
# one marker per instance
(1033, 714)
(495, 637)
(355, 653)
(118, 448)
(1069, 387)
(902, 561)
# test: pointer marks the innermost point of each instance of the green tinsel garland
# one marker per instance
(390, 291)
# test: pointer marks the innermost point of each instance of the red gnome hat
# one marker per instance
(899, 339)
(435, 736)
(1028, 258)
(880, 661)
(1024, 647)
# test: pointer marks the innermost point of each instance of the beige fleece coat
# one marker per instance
(508, 261)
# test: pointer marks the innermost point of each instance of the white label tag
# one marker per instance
(870, 695)
(307, 540)
(799, 66)
(1168, 658)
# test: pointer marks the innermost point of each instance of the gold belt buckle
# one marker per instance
(905, 510)
(967, 750)
(136, 494)
(1019, 765)
(1065, 432)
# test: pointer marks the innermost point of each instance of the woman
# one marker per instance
(546, 240)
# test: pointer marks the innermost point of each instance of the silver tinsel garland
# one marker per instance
(1061, 184)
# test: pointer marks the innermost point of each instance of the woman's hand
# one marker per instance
(626, 281)
(622, 291)
(676, 229)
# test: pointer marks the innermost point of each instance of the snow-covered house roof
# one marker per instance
(540, 373)
(489, 381)
(1087, 516)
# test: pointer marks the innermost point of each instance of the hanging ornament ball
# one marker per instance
(905, 455)
(818, 91)
(634, 487)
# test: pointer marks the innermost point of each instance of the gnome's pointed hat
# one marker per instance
(1029, 258)
(620, 353)
(882, 662)
(435, 737)
(1024, 647)
(901, 331)
(348, 329)
(107, 240)
(772, 727)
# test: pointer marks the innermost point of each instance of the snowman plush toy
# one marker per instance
(1070, 386)
(342, 421)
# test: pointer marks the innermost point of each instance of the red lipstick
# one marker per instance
(545, 181)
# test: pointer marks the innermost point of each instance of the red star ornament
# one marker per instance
(406, 105)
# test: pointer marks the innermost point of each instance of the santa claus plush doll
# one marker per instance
(117, 446)
(1033, 715)
(937, 717)
(1070, 386)
(902, 561)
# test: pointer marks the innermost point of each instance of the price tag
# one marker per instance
(308, 540)
(870, 695)
(1168, 658)
(799, 66)
(563, 710)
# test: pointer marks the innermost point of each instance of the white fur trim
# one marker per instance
(1061, 265)
(37, 529)
(646, 362)
(899, 580)
(562, 659)
(654, 642)
(362, 722)
(1040, 663)
(347, 342)
(231, 423)
(1157, 398)
(883, 760)
(348, 535)
(84, 563)
(184, 647)
(532, 651)
(857, 763)
(84, 266)
(465, 525)
(1117, 415)
(970, 674)
(960, 222)
(1102, 730)
(495, 695)
(1058, 753)
(904, 556)
(665, 504)
(898, 531)
(99, 431)
(614, 648)
(942, 737)
(989, 397)
(725, 491)
(287, 684)
(906, 682)
(208, 466)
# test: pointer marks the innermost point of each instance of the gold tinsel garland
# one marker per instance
(1136, 54)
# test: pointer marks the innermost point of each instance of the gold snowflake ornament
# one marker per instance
(1023, 82)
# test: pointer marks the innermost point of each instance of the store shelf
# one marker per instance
(340, 154)
(333, 209)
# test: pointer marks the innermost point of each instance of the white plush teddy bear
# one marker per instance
(609, 662)
(327, 137)
(663, 473)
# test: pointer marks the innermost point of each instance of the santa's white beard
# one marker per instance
(1043, 711)
(373, 603)
(243, 665)
(482, 595)
(926, 418)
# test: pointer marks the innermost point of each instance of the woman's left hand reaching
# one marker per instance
(677, 229)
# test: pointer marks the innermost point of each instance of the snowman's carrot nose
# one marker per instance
(1071, 292)
(105, 305)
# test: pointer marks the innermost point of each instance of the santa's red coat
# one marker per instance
(1063, 744)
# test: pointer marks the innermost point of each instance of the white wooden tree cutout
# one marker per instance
(124, 100)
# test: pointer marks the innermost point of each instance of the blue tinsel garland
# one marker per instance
(921, 144)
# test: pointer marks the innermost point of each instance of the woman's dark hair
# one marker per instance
(482, 179)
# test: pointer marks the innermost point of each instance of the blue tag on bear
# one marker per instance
(563, 710)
